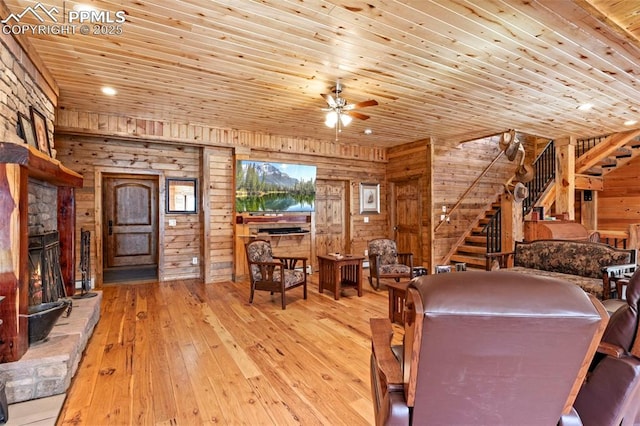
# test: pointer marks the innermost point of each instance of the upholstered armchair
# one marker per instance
(611, 394)
(386, 262)
(485, 348)
(276, 274)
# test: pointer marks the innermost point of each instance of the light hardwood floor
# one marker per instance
(185, 353)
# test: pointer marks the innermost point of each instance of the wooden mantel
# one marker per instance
(18, 162)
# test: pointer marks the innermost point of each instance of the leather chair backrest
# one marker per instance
(623, 324)
(497, 347)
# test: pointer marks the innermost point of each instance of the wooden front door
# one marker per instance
(406, 214)
(332, 224)
(130, 225)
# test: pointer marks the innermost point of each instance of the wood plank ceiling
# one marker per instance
(448, 69)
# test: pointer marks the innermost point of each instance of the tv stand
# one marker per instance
(289, 234)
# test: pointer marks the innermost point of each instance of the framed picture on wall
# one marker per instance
(40, 131)
(25, 130)
(369, 198)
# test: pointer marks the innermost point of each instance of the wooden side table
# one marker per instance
(397, 295)
(338, 273)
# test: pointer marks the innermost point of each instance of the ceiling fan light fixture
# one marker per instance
(345, 119)
(331, 119)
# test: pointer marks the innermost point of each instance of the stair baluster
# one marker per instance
(545, 173)
(494, 231)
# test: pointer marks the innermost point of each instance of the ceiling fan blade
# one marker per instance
(355, 114)
(329, 100)
(370, 102)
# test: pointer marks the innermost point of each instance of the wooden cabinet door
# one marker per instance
(332, 224)
(406, 214)
(130, 231)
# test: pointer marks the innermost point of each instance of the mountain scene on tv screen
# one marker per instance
(274, 187)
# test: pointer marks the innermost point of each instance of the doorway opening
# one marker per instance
(130, 228)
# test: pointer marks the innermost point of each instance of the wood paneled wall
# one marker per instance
(354, 171)
(81, 122)
(218, 167)
(413, 161)
(93, 157)
(455, 168)
(94, 143)
(619, 202)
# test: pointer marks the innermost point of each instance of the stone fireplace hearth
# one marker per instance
(48, 366)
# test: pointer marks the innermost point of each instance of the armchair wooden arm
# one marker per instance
(406, 259)
(387, 389)
(504, 259)
(290, 262)
(615, 272)
(374, 260)
(610, 349)
(386, 362)
(270, 271)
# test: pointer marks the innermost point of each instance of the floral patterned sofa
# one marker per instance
(592, 266)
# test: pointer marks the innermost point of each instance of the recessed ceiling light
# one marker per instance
(585, 107)
(630, 122)
(368, 131)
(83, 8)
(110, 91)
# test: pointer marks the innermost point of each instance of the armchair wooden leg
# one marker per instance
(284, 302)
(251, 296)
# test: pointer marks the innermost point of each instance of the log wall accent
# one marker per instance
(619, 202)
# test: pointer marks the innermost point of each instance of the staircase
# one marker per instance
(472, 251)
(600, 155)
(594, 156)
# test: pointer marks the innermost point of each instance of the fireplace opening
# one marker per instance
(46, 286)
(45, 275)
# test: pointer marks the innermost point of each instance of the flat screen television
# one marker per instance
(266, 187)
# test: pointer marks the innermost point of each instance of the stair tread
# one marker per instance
(472, 249)
(470, 260)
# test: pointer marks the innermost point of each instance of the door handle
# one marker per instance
(110, 227)
(395, 228)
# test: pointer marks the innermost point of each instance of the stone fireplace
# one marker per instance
(38, 200)
(29, 175)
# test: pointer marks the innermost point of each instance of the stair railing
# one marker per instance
(494, 233)
(584, 145)
(473, 185)
(545, 171)
(544, 168)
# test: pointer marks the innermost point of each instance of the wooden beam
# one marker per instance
(604, 149)
(565, 176)
(594, 183)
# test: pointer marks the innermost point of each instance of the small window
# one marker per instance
(182, 195)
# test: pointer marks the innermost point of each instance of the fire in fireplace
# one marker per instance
(45, 275)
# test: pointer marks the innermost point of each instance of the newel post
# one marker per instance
(566, 176)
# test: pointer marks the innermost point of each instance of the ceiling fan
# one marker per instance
(340, 112)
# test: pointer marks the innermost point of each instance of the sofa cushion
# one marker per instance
(569, 257)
